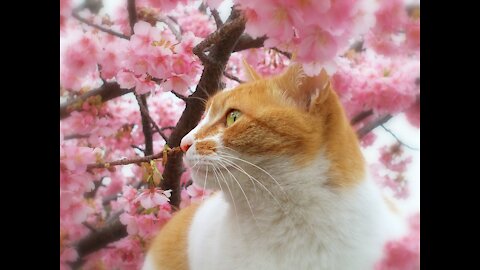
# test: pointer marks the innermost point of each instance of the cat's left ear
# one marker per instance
(252, 75)
(306, 92)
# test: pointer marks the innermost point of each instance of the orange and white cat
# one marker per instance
(293, 192)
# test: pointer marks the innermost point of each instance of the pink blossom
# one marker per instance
(76, 158)
(413, 114)
(197, 193)
(403, 253)
(79, 58)
(110, 57)
(151, 198)
(67, 255)
(194, 21)
(164, 5)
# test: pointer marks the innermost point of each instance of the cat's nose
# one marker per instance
(186, 142)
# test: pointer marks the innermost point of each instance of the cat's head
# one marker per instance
(271, 126)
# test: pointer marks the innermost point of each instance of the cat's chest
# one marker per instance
(217, 242)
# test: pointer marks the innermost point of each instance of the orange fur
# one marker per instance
(292, 115)
(169, 248)
(205, 147)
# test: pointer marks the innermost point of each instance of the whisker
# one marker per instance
(256, 180)
(217, 174)
(248, 162)
(243, 191)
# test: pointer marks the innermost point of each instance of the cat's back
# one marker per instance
(168, 250)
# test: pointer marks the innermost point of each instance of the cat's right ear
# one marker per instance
(306, 92)
(252, 75)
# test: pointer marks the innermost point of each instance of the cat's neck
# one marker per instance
(284, 194)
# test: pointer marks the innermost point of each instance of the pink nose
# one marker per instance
(186, 142)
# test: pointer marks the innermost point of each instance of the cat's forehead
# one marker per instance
(239, 96)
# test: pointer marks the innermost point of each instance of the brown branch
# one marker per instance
(165, 128)
(225, 39)
(232, 77)
(222, 42)
(138, 148)
(111, 232)
(99, 27)
(372, 125)
(132, 14)
(360, 117)
(180, 96)
(76, 136)
(247, 42)
(144, 111)
(216, 17)
(127, 161)
(89, 226)
(107, 91)
(147, 131)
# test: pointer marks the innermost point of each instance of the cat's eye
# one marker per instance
(233, 116)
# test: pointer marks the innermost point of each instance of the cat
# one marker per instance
(292, 190)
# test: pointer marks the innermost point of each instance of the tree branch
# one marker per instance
(99, 27)
(180, 96)
(127, 161)
(132, 14)
(76, 136)
(398, 140)
(144, 112)
(107, 91)
(216, 17)
(98, 239)
(222, 42)
(232, 77)
(247, 42)
(372, 125)
(360, 117)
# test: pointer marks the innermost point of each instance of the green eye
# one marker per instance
(232, 117)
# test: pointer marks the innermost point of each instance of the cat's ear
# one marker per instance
(306, 92)
(252, 75)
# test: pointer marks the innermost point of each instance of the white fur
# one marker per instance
(270, 214)
(308, 226)
(149, 264)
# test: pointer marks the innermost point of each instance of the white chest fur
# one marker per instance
(329, 230)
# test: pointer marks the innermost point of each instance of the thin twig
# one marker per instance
(76, 136)
(180, 96)
(89, 226)
(127, 161)
(107, 91)
(360, 117)
(372, 125)
(144, 111)
(132, 14)
(147, 131)
(138, 148)
(165, 128)
(216, 17)
(99, 27)
(232, 77)
(167, 21)
(398, 139)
